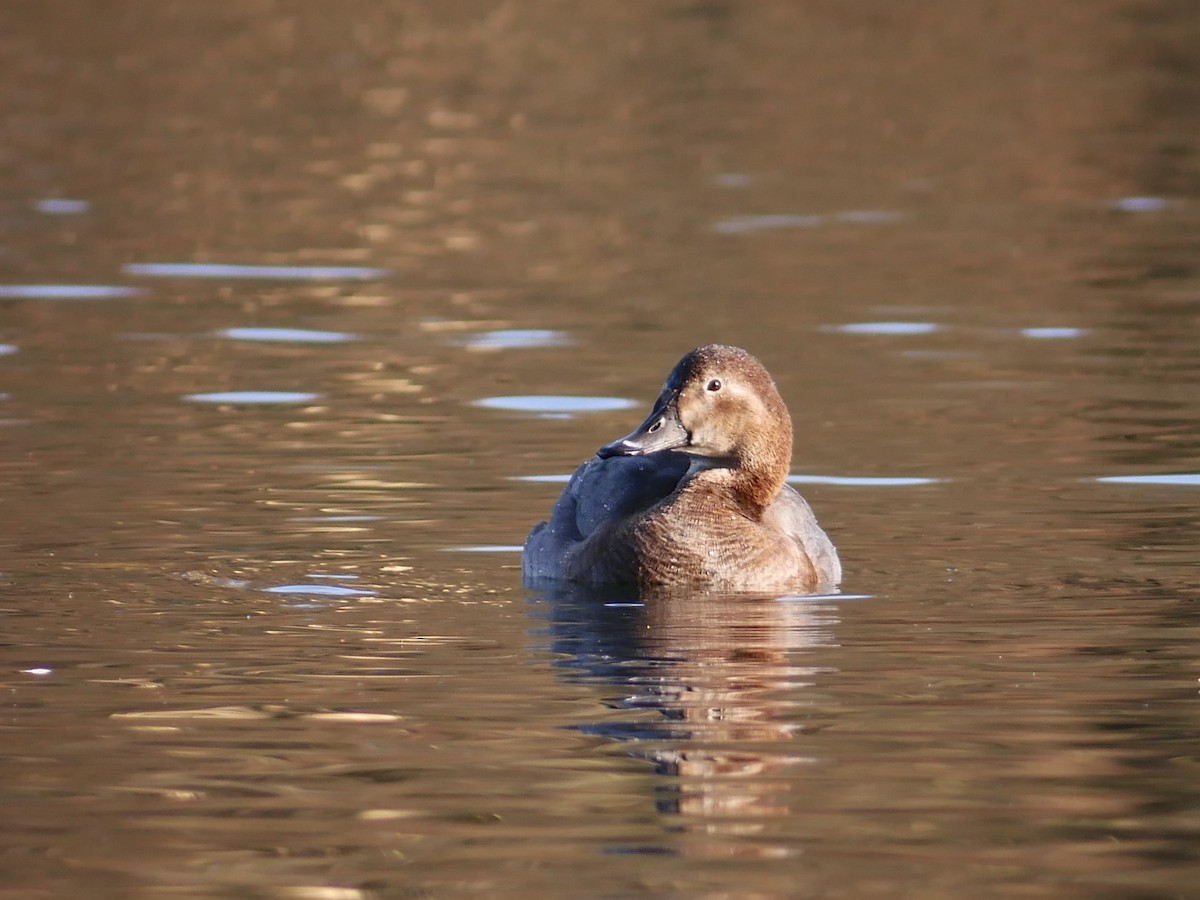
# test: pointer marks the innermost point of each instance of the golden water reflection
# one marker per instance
(718, 694)
(961, 234)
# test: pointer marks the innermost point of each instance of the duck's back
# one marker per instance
(601, 494)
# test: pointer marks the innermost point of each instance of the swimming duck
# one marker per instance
(695, 497)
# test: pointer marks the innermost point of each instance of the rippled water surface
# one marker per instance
(306, 314)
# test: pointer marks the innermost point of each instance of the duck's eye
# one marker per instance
(714, 385)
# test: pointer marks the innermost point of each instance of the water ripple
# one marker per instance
(1140, 204)
(515, 339)
(66, 291)
(555, 405)
(319, 590)
(253, 397)
(1188, 479)
(749, 224)
(225, 270)
(868, 216)
(1053, 334)
(288, 335)
(775, 221)
(485, 548)
(896, 328)
(863, 481)
(333, 520)
(61, 206)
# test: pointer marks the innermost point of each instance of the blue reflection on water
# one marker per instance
(555, 404)
(1053, 334)
(1140, 204)
(6, 349)
(224, 270)
(749, 224)
(322, 590)
(775, 221)
(253, 397)
(869, 216)
(66, 291)
(852, 481)
(61, 206)
(1189, 479)
(485, 548)
(515, 339)
(898, 328)
(289, 335)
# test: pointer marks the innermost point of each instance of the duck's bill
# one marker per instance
(661, 431)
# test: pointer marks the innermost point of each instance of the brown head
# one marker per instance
(720, 403)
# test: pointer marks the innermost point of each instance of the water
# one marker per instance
(299, 338)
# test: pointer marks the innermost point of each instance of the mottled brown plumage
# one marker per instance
(695, 497)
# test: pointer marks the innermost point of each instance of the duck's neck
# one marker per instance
(757, 484)
(765, 457)
(751, 480)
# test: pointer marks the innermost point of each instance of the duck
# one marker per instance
(696, 498)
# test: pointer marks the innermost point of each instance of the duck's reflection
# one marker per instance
(715, 686)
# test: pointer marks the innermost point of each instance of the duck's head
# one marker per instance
(720, 403)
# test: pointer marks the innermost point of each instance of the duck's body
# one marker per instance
(695, 498)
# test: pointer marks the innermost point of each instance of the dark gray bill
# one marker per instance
(661, 431)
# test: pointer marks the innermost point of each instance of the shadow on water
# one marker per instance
(708, 688)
